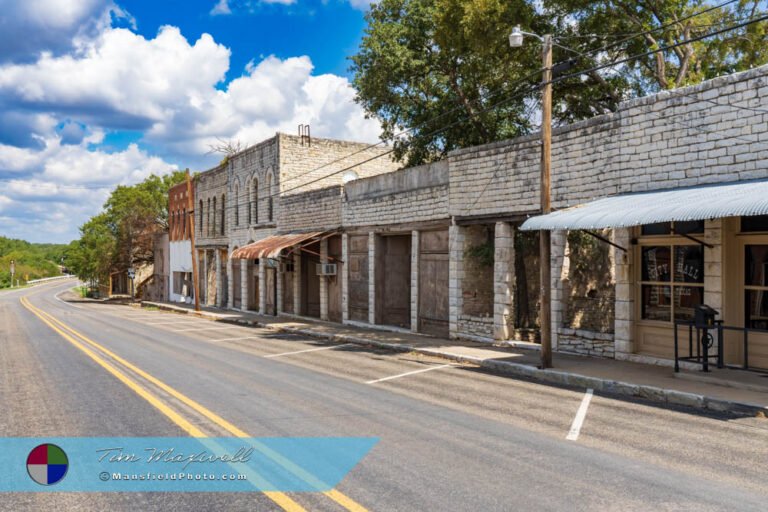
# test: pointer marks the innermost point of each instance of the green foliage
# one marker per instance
(122, 234)
(482, 254)
(33, 261)
(431, 63)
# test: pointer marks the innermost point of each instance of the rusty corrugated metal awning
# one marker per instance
(271, 246)
(743, 198)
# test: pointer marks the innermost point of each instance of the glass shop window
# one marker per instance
(756, 286)
(671, 228)
(672, 281)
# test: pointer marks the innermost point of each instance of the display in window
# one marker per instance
(686, 300)
(657, 262)
(757, 309)
(689, 264)
(657, 302)
(756, 265)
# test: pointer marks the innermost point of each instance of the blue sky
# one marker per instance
(95, 93)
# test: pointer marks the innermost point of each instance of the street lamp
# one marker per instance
(545, 278)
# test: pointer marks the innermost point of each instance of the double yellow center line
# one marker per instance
(93, 351)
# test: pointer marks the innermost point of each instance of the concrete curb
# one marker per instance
(554, 377)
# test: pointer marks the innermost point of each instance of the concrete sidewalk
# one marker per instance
(732, 391)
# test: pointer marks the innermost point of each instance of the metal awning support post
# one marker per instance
(603, 239)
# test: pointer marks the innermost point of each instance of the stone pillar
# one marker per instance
(279, 283)
(345, 278)
(503, 281)
(244, 276)
(371, 278)
(713, 269)
(455, 276)
(625, 294)
(204, 296)
(323, 280)
(217, 259)
(297, 283)
(263, 286)
(415, 281)
(559, 272)
(230, 283)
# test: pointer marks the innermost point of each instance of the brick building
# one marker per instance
(180, 287)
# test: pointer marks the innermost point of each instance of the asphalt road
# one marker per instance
(452, 437)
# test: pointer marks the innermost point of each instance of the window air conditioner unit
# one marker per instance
(326, 269)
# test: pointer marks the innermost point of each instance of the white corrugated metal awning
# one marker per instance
(744, 198)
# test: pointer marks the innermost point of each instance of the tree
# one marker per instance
(122, 235)
(445, 69)
(666, 23)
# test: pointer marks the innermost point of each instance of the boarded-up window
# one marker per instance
(589, 288)
(477, 284)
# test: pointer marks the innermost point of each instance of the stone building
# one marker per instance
(659, 207)
(682, 177)
(211, 236)
(246, 193)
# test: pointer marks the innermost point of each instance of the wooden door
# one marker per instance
(310, 283)
(237, 289)
(393, 280)
(270, 279)
(754, 298)
(334, 282)
(433, 283)
(358, 285)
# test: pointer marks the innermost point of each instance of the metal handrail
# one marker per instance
(702, 356)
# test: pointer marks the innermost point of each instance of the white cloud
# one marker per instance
(168, 89)
(28, 27)
(221, 7)
(362, 5)
(59, 187)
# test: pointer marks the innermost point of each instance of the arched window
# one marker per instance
(237, 205)
(223, 214)
(200, 221)
(208, 219)
(214, 216)
(255, 201)
(269, 197)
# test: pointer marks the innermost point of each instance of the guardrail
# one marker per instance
(46, 279)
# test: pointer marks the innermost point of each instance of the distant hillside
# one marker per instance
(32, 260)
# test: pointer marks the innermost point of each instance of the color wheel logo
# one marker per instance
(47, 464)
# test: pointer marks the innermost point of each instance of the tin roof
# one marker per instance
(271, 246)
(744, 198)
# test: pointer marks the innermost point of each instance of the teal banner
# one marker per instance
(178, 464)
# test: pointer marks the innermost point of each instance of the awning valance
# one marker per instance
(270, 247)
(702, 202)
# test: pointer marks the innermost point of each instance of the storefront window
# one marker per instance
(756, 284)
(657, 303)
(754, 224)
(686, 300)
(670, 228)
(689, 264)
(672, 279)
(657, 263)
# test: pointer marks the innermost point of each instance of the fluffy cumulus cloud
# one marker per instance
(56, 108)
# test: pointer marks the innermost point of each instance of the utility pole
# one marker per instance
(545, 272)
(191, 217)
(13, 271)
(545, 313)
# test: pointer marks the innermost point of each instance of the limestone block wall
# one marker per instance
(417, 194)
(314, 210)
(321, 162)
